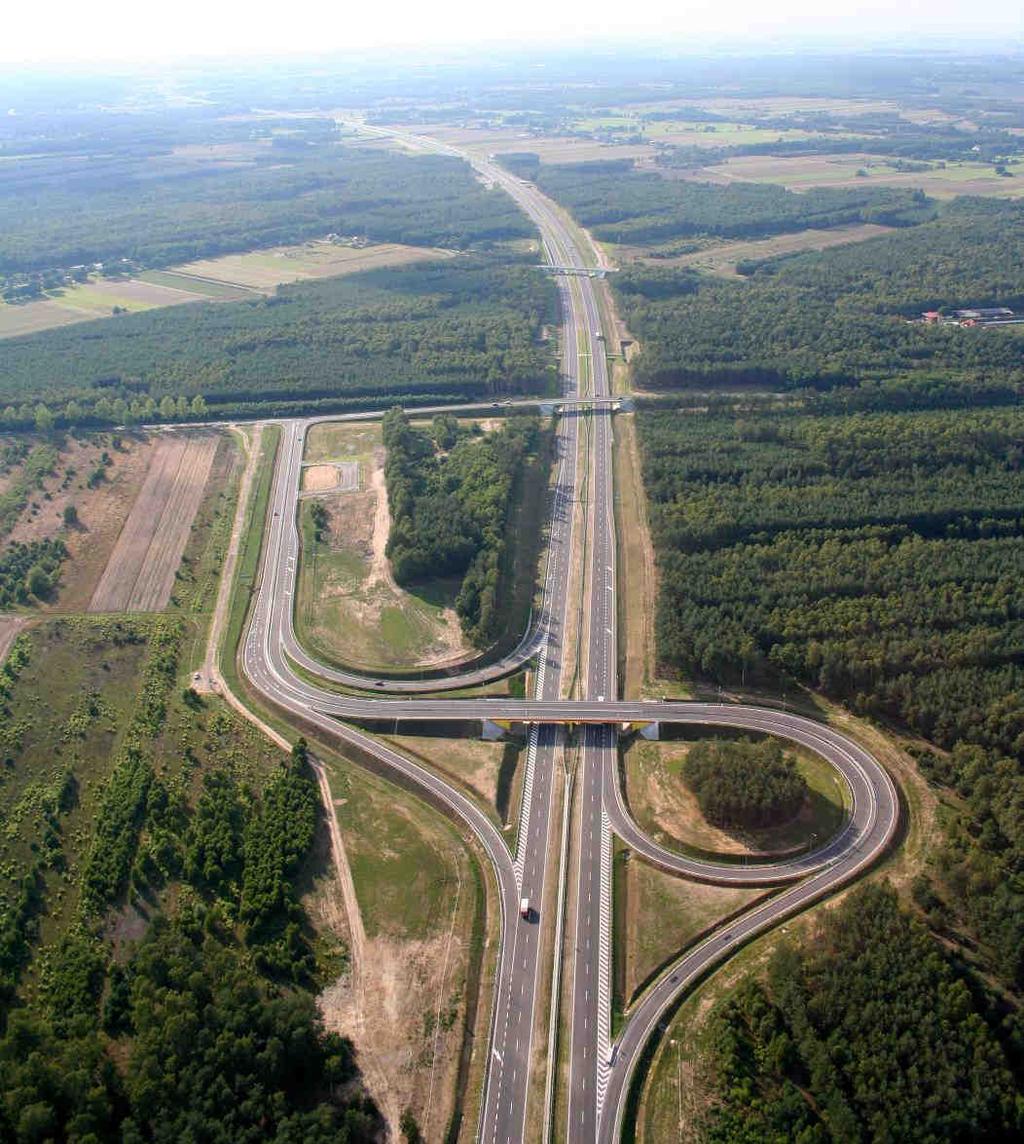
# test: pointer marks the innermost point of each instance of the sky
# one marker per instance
(127, 30)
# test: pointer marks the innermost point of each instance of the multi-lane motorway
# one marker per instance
(599, 1072)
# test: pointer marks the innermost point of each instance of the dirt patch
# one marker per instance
(101, 509)
(140, 572)
(351, 606)
(397, 1031)
(319, 478)
(9, 628)
(380, 566)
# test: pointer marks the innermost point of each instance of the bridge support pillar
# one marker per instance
(651, 731)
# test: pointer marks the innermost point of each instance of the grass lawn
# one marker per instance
(662, 915)
(407, 861)
(266, 269)
(490, 772)
(218, 291)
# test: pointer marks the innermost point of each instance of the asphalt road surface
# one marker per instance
(600, 1073)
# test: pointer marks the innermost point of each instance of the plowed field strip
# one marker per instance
(140, 573)
(118, 580)
(156, 574)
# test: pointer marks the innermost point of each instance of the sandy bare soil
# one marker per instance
(9, 628)
(378, 1009)
(140, 572)
(342, 476)
(319, 478)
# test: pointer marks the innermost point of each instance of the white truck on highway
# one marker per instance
(524, 908)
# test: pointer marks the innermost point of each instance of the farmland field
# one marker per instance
(229, 278)
(140, 573)
(93, 299)
(806, 171)
(265, 269)
(551, 149)
(722, 259)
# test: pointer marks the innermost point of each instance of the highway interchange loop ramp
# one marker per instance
(600, 1069)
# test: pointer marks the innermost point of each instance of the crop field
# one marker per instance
(86, 301)
(722, 259)
(695, 134)
(806, 171)
(551, 149)
(230, 278)
(140, 572)
(265, 269)
(796, 104)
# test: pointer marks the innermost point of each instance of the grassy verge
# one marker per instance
(248, 565)
(666, 914)
(509, 685)
(577, 573)
(348, 616)
(636, 597)
(487, 772)
(666, 809)
(621, 857)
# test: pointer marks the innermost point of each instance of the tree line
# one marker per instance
(456, 329)
(157, 207)
(875, 556)
(838, 317)
(207, 1027)
(879, 558)
(623, 204)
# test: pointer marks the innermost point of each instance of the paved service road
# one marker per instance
(599, 1072)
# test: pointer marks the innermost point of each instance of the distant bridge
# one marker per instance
(578, 271)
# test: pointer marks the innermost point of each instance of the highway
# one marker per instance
(599, 1072)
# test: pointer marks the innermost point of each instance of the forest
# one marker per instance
(868, 1032)
(179, 195)
(457, 329)
(451, 493)
(201, 1021)
(624, 205)
(744, 784)
(878, 557)
(838, 316)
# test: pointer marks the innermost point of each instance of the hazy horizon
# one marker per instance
(119, 33)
